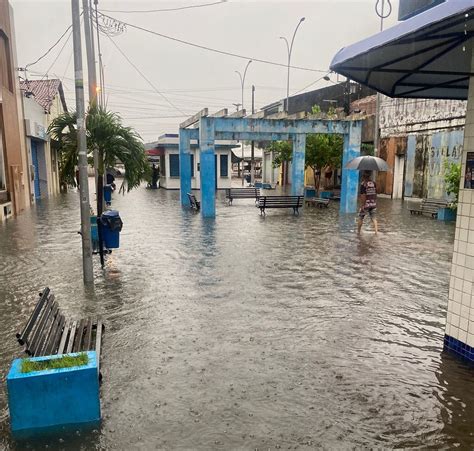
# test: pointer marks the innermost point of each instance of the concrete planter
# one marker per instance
(53, 397)
(446, 214)
(325, 194)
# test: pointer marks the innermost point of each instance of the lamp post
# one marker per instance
(289, 47)
(242, 84)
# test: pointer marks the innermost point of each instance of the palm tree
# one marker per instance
(113, 141)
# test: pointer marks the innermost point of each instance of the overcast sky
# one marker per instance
(190, 78)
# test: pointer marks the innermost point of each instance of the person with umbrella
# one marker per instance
(368, 197)
(368, 188)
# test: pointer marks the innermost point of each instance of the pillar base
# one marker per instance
(458, 348)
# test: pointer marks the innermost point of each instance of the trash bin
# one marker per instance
(108, 193)
(111, 227)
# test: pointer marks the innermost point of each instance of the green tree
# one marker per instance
(452, 180)
(113, 141)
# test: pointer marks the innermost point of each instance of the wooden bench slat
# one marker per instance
(23, 335)
(79, 335)
(54, 342)
(48, 331)
(72, 334)
(36, 345)
(62, 342)
(87, 341)
(39, 324)
(98, 342)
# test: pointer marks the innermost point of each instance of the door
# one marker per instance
(398, 177)
(35, 161)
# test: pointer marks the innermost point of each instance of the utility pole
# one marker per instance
(93, 90)
(252, 153)
(82, 146)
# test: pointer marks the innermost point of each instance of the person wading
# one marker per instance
(368, 202)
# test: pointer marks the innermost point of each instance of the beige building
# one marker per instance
(15, 192)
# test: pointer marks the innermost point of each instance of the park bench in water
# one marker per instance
(317, 202)
(49, 332)
(294, 202)
(242, 193)
(193, 202)
(429, 206)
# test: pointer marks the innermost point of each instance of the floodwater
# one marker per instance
(250, 333)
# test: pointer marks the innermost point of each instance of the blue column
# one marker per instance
(350, 177)
(184, 165)
(207, 167)
(297, 165)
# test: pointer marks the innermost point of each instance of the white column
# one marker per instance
(460, 317)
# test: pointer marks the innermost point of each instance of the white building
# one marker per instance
(165, 153)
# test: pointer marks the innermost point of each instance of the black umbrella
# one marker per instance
(368, 163)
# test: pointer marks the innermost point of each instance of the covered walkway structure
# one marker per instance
(207, 129)
(431, 56)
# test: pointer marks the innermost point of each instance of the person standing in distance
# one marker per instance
(368, 201)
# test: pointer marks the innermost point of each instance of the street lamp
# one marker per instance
(289, 47)
(242, 83)
(242, 80)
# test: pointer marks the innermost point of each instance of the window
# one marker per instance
(174, 165)
(224, 165)
(192, 165)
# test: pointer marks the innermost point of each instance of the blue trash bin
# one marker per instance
(108, 193)
(111, 228)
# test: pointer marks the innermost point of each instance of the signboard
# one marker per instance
(469, 174)
(410, 8)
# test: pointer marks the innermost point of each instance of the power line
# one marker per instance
(50, 49)
(311, 84)
(164, 10)
(144, 76)
(210, 49)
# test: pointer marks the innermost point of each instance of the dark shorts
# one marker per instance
(372, 212)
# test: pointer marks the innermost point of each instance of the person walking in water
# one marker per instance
(368, 201)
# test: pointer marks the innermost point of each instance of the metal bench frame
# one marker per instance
(430, 206)
(242, 193)
(294, 202)
(195, 204)
(317, 202)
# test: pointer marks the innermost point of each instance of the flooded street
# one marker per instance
(250, 333)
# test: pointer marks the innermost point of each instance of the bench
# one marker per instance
(242, 193)
(317, 202)
(294, 202)
(429, 206)
(49, 332)
(193, 202)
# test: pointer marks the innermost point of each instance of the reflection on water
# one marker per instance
(250, 332)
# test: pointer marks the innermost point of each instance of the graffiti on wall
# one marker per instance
(427, 156)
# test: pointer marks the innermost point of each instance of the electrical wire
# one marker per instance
(165, 9)
(145, 77)
(311, 84)
(210, 49)
(50, 49)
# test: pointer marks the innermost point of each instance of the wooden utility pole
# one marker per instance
(82, 146)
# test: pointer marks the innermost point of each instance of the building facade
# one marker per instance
(165, 153)
(43, 100)
(418, 139)
(15, 191)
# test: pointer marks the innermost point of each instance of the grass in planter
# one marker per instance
(67, 361)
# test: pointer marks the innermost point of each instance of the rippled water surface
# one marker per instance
(244, 332)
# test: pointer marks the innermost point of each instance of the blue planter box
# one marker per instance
(446, 214)
(325, 194)
(43, 399)
(309, 191)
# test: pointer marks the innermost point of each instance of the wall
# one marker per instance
(428, 133)
(13, 144)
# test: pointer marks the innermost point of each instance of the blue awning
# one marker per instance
(427, 56)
